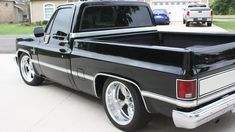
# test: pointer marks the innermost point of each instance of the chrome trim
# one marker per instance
(214, 96)
(88, 77)
(123, 79)
(191, 120)
(214, 75)
(110, 32)
(135, 46)
(185, 104)
(180, 103)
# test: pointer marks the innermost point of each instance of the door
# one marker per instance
(54, 51)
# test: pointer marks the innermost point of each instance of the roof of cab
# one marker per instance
(94, 2)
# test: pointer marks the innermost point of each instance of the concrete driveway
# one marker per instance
(180, 27)
(54, 108)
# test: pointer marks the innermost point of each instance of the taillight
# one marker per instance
(188, 13)
(186, 89)
(212, 13)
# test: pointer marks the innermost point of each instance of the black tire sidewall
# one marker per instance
(36, 80)
(140, 113)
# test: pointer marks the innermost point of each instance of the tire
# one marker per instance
(131, 112)
(209, 24)
(27, 71)
(184, 22)
(187, 24)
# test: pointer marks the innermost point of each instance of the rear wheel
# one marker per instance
(209, 24)
(27, 71)
(187, 24)
(124, 106)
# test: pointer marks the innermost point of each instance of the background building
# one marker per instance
(41, 10)
(12, 11)
(175, 7)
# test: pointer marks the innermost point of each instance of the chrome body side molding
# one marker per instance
(185, 104)
(110, 32)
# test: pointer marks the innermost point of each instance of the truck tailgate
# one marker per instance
(215, 66)
(200, 12)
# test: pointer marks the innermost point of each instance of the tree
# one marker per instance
(223, 7)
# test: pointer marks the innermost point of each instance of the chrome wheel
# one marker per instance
(27, 70)
(120, 103)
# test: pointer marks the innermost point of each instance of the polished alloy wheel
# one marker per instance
(27, 68)
(120, 103)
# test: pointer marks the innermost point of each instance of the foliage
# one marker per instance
(223, 7)
(16, 29)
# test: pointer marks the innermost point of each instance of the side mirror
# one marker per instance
(169, 13)
(38, 32)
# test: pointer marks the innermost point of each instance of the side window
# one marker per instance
(62, 22)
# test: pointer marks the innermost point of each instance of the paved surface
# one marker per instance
(180, 27)
(54, 108)
(7, 43)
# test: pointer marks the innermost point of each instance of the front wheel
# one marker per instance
(27, 71)
(124, 106)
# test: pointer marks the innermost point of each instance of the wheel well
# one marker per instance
(100, 80)
(19, 54)
(99, 84)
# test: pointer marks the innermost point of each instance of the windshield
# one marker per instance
(159, 11)
(197, 5)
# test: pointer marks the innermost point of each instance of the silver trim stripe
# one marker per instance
(216, 82)
(177, 102)
(186, 104)
(88, 77)
(110, 32)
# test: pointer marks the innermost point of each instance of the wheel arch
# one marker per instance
(100, 79)
(20, 51)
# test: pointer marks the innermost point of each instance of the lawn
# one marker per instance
(15, 29)
(229, 26)
(224, 16)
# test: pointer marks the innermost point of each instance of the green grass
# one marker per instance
(224, 16)
(6, 29)
(229, 26)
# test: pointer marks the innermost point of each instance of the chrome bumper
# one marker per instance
(190, 120)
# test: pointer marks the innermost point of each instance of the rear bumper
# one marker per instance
(190, 120)
(191, 19)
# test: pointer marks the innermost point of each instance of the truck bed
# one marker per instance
(172, 39)
(211, 54)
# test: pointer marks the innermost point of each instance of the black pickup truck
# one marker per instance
(113, 51)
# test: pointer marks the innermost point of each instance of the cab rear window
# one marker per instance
(109, 17)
